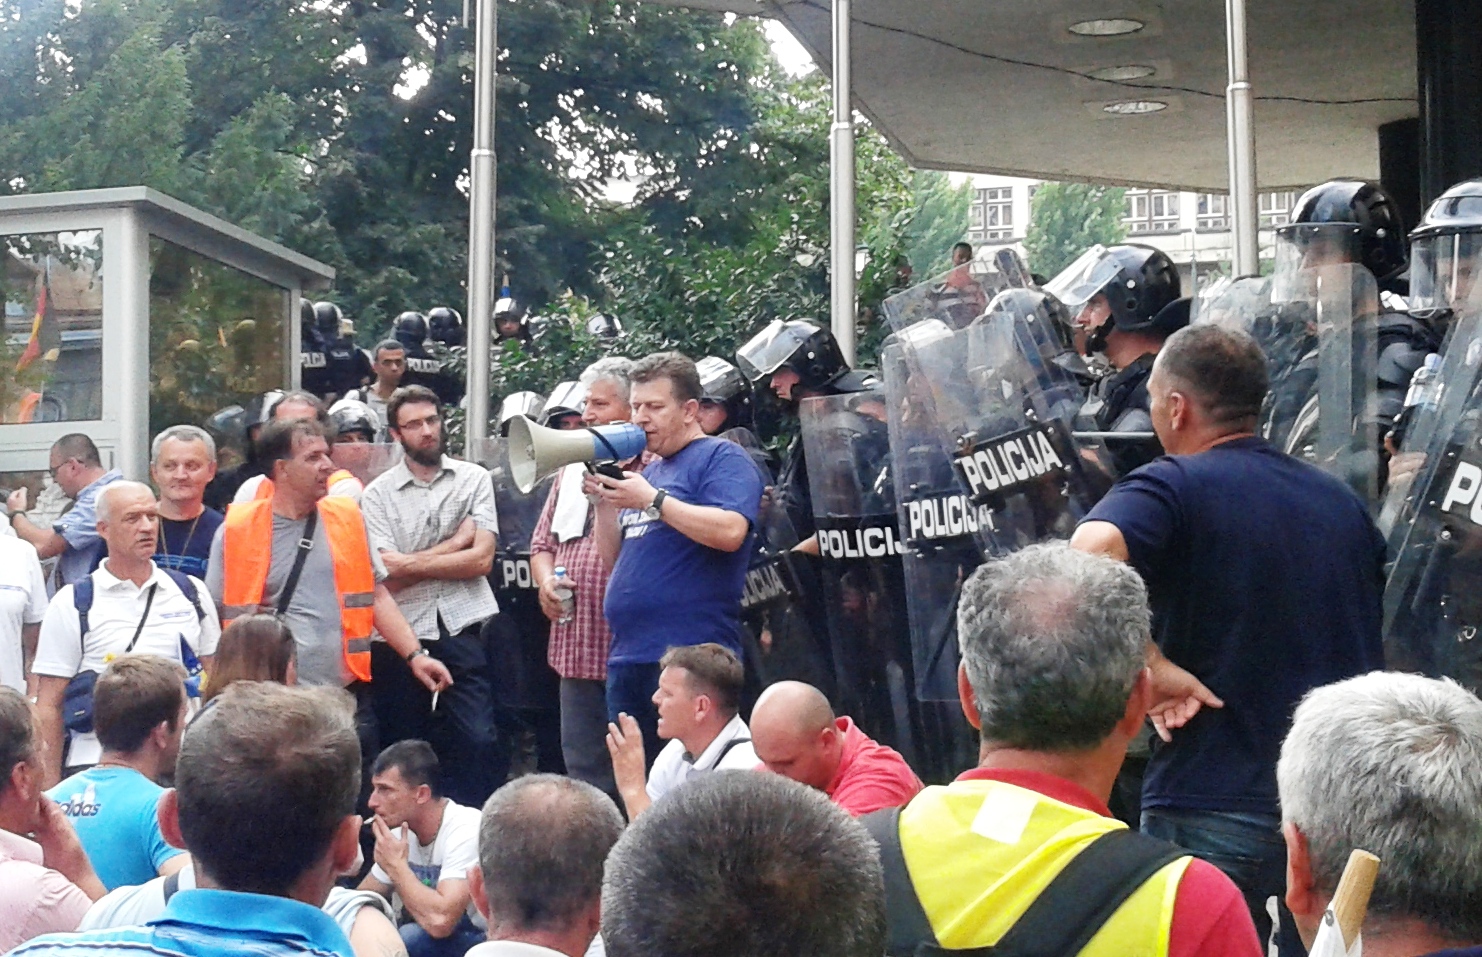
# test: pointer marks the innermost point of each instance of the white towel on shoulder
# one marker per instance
(569, 521)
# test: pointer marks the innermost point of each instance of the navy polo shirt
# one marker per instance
(1265, 576)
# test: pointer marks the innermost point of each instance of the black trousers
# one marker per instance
(462, 730)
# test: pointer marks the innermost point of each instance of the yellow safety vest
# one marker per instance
(979, 852)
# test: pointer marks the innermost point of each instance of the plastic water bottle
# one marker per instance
(565, 594)
(1423, 398)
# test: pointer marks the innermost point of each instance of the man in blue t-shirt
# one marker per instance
(1265, 577)
(139, 716)
(676, 538)
(182, 463)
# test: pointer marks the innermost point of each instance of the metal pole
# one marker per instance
(482, 172)
(1240, 116)
(841, 191)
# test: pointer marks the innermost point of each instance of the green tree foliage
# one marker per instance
(1066, 218)
(940, 220)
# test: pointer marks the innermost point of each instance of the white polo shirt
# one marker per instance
(730, 751)
(118, 605)
(22, 602)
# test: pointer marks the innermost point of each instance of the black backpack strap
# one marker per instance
(726, 749)
(172, 884)
(82, 600)
(908, 928)
(1085, 895)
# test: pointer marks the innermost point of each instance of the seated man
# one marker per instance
(543, 840)
(698, 701)
(425, 844)
(1023, 848)
(46, 881)
(139, 716)
(264, 798)
(1388, 763)
(738, 864)
(796, 735)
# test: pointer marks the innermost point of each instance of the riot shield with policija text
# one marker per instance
(846, 440)
(956, 297)
(1432, 518)
(1318, 327)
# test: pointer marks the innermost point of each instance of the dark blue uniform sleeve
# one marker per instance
(1145, 507)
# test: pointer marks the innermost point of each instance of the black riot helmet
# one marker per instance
(604, 326)
(349, 416)
(507, 311)
(1139, 282)
(327, 317)
(805, 348)
(445, 325)
(1345, 220)
(723, 384)
(410, 329)
(1446, 250)
(306, 323)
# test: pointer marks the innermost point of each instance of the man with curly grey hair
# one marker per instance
(1388, 763)
(1023, 848)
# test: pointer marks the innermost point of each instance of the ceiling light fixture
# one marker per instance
(1106, 27)
(1135, 107)
(1117, 74)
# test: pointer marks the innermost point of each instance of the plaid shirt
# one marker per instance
(578, 649)
(404, 515)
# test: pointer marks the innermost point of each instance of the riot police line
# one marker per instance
(1004, 408)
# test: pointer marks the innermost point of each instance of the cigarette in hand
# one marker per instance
(434, 698)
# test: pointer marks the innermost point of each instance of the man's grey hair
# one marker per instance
(543, 840)
(614, 369)
(740, 864)
(1392, 763)
(1053, 640)
(103, 506)
(182, 433)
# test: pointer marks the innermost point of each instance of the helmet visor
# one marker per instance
(1443, 269)
(719, 380)
(1079, 282)
(768, 350)
(1302, 249)
(566, 397)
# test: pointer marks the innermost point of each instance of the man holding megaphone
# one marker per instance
(675, 537)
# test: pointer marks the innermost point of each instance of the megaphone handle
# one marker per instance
(604, 468)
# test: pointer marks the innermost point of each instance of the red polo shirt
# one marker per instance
(870, 775)
(1210, 918)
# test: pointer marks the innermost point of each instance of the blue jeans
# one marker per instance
(422, 944)
(630, 690)
(1247, 846)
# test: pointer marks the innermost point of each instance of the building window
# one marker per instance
(1214, 212)
(991, 216)
(1151, 211)
(1276, 208)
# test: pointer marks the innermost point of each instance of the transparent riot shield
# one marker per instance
(365, 460)
(957, 296)
(1319, 330)
(847, 444)
(1432, 517)
(519, 636)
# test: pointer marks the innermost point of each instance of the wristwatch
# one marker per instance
(654, 507)
(417, 654)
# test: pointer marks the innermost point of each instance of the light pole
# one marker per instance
(482, 172)
(841, 189)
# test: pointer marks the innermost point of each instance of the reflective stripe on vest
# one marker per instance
(247, 553)
(980, 852)
(265, 487)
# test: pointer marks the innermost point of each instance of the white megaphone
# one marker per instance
(536, 451)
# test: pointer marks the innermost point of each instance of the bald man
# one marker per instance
(795, 734)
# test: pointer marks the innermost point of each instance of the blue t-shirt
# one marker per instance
(113, 812)
(667, 589)
(1265, 576)
(78, 527)
(186, 546)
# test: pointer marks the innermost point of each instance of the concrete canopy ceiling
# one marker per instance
(1003, 86)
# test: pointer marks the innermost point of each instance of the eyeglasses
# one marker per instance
(57, 468)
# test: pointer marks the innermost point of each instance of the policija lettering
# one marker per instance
(1002, 464)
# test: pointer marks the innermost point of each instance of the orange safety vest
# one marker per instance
(246, 552)
(265, 487)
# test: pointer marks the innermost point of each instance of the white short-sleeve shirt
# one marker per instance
(730, 751)
(22, 602)
(447, 858)
(118, 605)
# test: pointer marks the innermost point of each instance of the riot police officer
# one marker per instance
(1125, 301)
(606, 327)
(725, 397)
(802, 360)
(511, 322)
(423, 368)
(445, 325)
(346, 367)
(445, 331)
(313, 366)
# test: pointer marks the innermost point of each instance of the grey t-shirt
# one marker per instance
(314, 613)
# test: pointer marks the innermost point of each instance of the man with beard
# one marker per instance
(432, 520)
